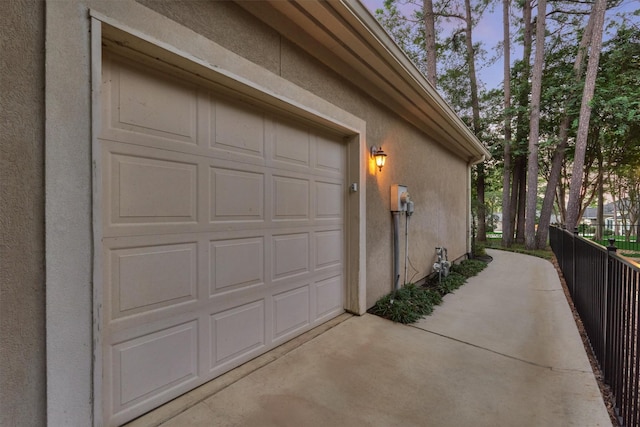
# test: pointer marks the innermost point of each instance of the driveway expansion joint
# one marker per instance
(528, 362)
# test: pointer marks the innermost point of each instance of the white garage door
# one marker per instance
(222, 234)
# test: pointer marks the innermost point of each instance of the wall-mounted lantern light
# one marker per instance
(379, 155)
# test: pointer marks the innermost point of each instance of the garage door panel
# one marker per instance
(292, 146)
(151, 277)
(139, 181)
(150, 103)
(148, 365)
(237, 263)
(290, 255)
(236, 195)
(291, 312)
(151, 189)
(329, 200)
(290, 198)
(328, 249)
(237, 332)
(330, 156)
(329, 297)
(238, 128)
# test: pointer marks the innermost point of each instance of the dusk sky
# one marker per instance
(489, 31)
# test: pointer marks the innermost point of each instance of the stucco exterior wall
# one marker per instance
(22, 289)
(436, 178)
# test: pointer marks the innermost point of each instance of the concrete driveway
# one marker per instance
(503, 350)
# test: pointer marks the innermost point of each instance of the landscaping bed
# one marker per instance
(413, 302)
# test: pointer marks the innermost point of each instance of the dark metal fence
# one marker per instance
(605, 288)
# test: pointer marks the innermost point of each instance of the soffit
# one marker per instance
(345, 37)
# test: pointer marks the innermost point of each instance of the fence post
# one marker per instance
(611, 249)
(561, 235)
(573, 264)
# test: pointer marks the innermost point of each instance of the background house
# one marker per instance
(203, 172)
(619, 218)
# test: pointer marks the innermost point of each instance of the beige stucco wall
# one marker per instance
(437, 179)
(22, 330)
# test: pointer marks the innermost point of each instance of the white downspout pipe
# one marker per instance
(406, 237)
(396, 250)
(406, 246)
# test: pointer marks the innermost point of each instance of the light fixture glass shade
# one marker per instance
(380, 157)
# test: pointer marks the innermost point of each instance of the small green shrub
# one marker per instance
(469, 267)
(411, 303)
(407, 304)
(450, 283)
(478, 250)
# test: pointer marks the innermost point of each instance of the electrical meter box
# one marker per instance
(399, 198)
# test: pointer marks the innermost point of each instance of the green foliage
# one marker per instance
(478, 249)
(407, 304)
(520, 249)
(621, 243)
(469, 268)
(614, 130)
(450, 283)
(407, 31)
(586, 229)
(616, 100)
(411, 303)
(630, 254)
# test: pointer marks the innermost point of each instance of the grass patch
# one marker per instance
(630, 254)
(621, 244)
(520, 249)
(411, 302)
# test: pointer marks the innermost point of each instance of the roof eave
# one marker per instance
(347, 38)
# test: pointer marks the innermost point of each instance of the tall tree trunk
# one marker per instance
(550, 192)
(573, 207)
(600, 209)
(475, 108)
(522, 200)
(558, 155)
(522, 127)
(430, 41)
(616, 230)
(507, 230)
(515, 189)
(482, 212)
(534, 127)
(561, 197)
